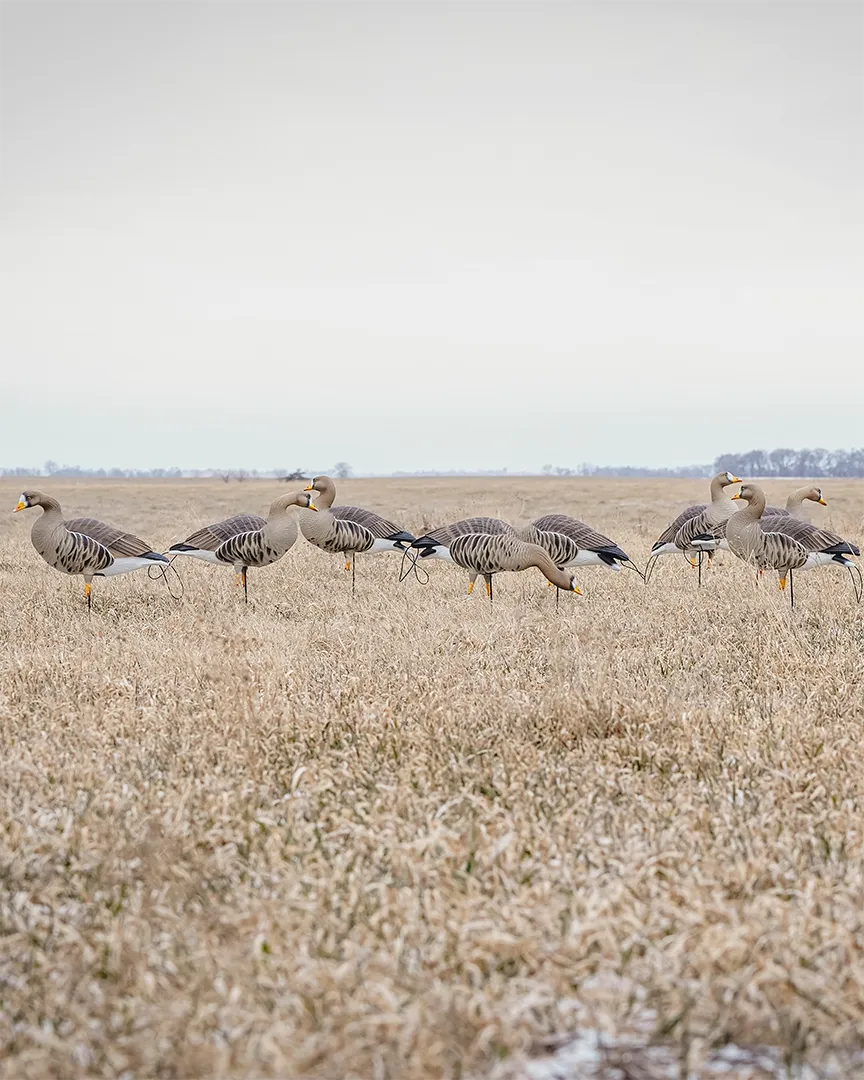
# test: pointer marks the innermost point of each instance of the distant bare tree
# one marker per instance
(298, 474)
(342, 470)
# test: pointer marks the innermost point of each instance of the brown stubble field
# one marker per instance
(406, 836)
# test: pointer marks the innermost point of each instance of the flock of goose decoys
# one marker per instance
(765, 537)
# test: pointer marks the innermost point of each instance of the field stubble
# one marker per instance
(404, 835)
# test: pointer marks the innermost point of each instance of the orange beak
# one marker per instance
(20, 506)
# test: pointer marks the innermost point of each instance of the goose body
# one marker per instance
(85, 546)
(782, 542)
(709, 523)
(204, 543)
(349, 530)
(702, 521)
(436, 543)
(494, 553)
(247, 540)
(586, 546)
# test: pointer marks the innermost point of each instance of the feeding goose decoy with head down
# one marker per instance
(349, 530)
(568, 538)
(784, 543)
(85, 546)
(247, 540)
(436, 543)
(500, 552)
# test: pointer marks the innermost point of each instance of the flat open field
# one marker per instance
(406, 836)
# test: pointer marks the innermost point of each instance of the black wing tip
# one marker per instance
(613, 554)
(180, 547)
(408, 538)
(842, 548)
(155, 556)
(424, 541)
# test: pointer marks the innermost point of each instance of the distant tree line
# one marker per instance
(341, 470)
(785, 462)
(586, 469)
(782, 462)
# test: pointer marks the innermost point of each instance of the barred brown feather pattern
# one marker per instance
(344, 536)
(668, 535)
(248, 549)
(699, 525)
(77, 553)
(811, 537)
(583, 535)
(562, 549)
(490, 554)
(121, 544)
(768, 550)
(486, 525)
(211, 536)
(380, 527)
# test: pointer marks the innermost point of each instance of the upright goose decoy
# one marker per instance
(784, 543)
(494, 553)
(247, 540)
(436, 543)
(684, 527)
(795, 503)
(349, 530)
(85, 546)
(591, 547)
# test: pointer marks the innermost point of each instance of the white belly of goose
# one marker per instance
(200, 553)
(127, 565)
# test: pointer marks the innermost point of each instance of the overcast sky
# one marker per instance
(429, 235)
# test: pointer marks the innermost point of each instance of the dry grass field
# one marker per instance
(406, 836)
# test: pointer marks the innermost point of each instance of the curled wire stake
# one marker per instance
(649, 568)
(403, 573)
(162, 572)
(857, 586)
(630, 565)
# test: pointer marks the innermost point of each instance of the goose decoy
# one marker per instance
(592, 547)
(667, 543)
(85, 546)
(247, 540)
(349, 530)
(795, 503)
(495, 553)
(784, 543)
(436, 543)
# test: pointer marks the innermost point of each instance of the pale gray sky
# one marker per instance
(429, 234)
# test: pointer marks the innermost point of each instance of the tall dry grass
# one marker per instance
(404, 835)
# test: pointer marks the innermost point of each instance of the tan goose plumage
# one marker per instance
(494, 553)
(85, 546)
(694, 522)
(795, 503)
(564, 536)
(247, 540)
(436, 543)
(783, 543)
(349, 530)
